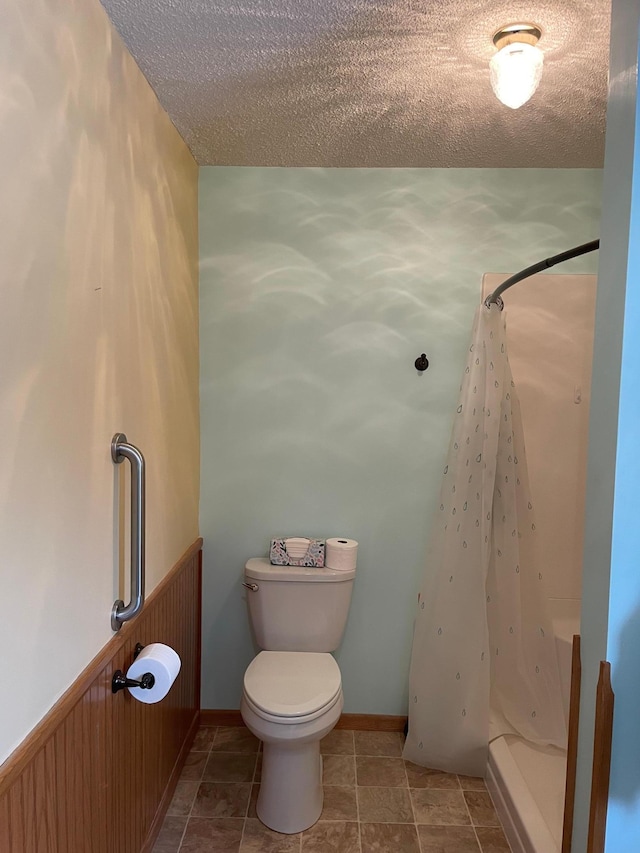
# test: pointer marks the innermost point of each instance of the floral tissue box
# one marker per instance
(297, 551)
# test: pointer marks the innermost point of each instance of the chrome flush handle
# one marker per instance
(252, 586)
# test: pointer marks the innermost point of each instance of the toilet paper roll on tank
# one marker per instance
(341, 554)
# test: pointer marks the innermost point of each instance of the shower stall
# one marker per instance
(505, 556)
(550, 322)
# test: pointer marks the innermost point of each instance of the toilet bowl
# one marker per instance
(292, 690)
(290, 701)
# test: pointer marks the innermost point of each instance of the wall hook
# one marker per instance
(421, 363)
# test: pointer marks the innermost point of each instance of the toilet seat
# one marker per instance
(292, 686)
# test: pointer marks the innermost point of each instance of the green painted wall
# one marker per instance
(319, 288)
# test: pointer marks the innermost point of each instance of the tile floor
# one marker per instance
(374, 802)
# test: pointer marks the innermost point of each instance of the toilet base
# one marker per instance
(290, 797)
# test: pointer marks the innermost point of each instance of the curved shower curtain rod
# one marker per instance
(541, 265)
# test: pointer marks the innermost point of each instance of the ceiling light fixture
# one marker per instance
(516, 68)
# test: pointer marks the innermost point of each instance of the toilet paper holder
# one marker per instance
(120, 680)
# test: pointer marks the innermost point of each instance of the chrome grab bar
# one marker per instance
(121, 450)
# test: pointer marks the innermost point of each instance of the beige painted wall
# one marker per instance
(98, 334)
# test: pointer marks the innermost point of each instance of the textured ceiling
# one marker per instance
(369, 82)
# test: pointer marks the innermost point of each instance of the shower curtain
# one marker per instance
(483, 652)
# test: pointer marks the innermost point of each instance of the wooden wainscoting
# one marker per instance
(97, 773)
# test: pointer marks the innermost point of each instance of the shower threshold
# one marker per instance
(526, 783)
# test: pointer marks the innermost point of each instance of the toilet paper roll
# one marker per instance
(163, 663)
(341, 554)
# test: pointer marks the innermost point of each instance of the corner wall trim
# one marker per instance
(601, 761)
(356, 722)
(572, 745)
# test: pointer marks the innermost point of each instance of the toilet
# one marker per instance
(292, 691)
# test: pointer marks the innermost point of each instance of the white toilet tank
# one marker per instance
(297, 609)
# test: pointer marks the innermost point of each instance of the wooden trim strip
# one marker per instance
(601, 760)
(210, 717)
(356, 722)
(572, 745)
(198, 662)
(21, 757)
(372, 722)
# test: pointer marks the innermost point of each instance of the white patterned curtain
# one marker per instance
(483, 651)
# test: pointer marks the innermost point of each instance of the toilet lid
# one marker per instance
(292, 684)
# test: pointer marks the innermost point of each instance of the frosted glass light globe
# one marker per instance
(515, 71)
